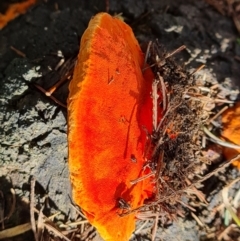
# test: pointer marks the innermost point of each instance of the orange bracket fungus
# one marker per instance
(15, 10)
(231, 132)
(109, 118)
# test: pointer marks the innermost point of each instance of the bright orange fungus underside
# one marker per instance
(231, 132)
(109, 111)
(14, 10)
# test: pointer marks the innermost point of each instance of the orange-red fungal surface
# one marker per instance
(109, 111)
(14, 10)
(231, 131)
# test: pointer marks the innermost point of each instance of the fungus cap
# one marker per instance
(231, 131)
(109, 113)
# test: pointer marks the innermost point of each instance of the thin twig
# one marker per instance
(146, 55)
(187, 206)
(59, 83)
(50, 228)
(164, 95)
(181, 48)
(220, 168)
(50, 96)
(141, 227)
(18, 52)
(170, 108)
(142, 178)
(78, 211)
(218, 114)
(198, 69)
(73, 223)
(168, 56)
(200, 223)
(197, 192)
(217, 100)
(155, 103)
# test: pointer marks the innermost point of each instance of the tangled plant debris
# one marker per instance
(179, 145)
(173, 149)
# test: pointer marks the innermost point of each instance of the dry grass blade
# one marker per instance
(187, 206)
(217, 140)
(87, 232)
(140, 228)
(13, 205)
(146, 55)
(53, 216)
(2, 206)
(11, 210)
(220, 168)
(164, 94)
(200, 223)
(56, 232)
(12, 232)
(155, 226)
(218, 114)
(236, 200)
(40, 223)
(45, 223)
(226, 201)
(146, 215)
(142, 178)
(78, 211)
(226, 231)
(76, 223)
(32, 218)
(192, 190)
(197, 192)
(60, 63)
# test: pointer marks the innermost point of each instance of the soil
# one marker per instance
(33, 128)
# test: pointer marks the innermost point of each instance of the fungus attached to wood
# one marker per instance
(109, 119)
